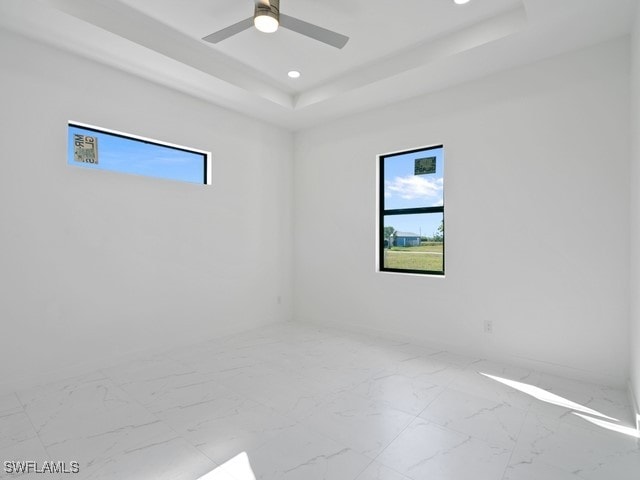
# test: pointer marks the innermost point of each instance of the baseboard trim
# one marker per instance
(599, 378)
(87, 367)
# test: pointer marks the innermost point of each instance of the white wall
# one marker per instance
(537, 205)
(96, 266)
(635, 214)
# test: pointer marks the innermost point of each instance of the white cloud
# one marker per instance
(413, 186)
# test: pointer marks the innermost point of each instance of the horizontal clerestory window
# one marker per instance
(102, 149)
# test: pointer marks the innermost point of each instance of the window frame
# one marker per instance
(206, 156)
(382, 213)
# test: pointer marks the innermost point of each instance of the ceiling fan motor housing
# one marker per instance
(266, 19)
(270, 9)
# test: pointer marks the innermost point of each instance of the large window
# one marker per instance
(411, 211)
(101, 149)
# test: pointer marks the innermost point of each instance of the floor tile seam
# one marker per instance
(452, 378)
(586, 427)
(487, 398)
(14, 410)
(412, 378)
(256, 362)
(256, 400)
(153, 414)
(200, 343)
(9, 414)
(341, 444)
(581, 423)
(194, 368)
(35, 430)
(515, 443)
(419, 415)
(170, 354)
(403, 475)
(259, 445)
(127, 395)
(66, 380)
(15, 395)
(306, 424)
(550, 390)
(42, 444)
(377, 457)
(485, 441)
(122, 386)
(168, 426)
(131, 401)
(382, 404)
(243, 397)
(386, 406)
(296, 421)
(555, 466)
(363, 469)
(589, 400)
(535, 372)
(559, 468)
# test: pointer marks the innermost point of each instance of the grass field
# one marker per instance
(425, 257)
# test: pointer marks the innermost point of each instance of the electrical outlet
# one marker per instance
(488, 326)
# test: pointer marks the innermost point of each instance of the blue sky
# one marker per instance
(404, 189)
(140, 158)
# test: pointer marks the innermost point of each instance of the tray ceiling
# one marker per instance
(396, 49)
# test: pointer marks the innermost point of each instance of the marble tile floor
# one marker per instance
(290, 401)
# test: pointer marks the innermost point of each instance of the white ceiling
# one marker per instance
(373, 35)
(397, 49)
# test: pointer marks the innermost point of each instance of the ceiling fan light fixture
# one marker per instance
(267, 17)
(265, 23)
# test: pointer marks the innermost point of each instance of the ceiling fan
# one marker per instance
(267, 18)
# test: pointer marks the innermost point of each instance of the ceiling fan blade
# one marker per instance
(313, 31)
(229, 31)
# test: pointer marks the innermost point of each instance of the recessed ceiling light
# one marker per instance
(294, 74)
(460, 2)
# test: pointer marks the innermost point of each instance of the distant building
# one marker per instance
(405, 239)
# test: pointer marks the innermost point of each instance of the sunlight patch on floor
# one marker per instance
(614, 427)
(579, 410)
(546, 396)
(237, 468)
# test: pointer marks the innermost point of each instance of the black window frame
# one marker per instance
(382, 213)
(206, 156)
